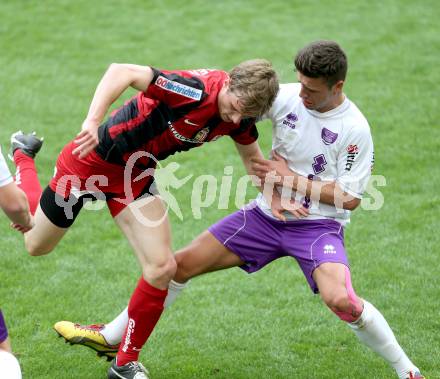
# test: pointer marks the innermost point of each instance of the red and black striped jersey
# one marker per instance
(177, 112)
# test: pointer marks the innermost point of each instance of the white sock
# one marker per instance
(114, 330)
(10, 368)
(174, 289)
(373, 330)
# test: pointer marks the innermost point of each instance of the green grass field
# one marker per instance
(228, 325)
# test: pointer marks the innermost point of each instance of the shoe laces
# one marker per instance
(94, 328)
(138, 367)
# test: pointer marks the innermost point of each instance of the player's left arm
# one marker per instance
(115, 81)
(249, 154)
(277, 171)
(354, 169)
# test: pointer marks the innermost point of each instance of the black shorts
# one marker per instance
(62, 212)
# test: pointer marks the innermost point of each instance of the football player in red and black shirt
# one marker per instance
(174, 111)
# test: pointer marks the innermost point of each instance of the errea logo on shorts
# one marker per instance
(329, 249)
(179, 88)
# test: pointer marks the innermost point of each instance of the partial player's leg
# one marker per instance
(318, 246)
(144, 222)
(204, 254)
(24, 148)
(6, 345)
(4, 337)
(45, 235)
(9, 366)
(334, 283)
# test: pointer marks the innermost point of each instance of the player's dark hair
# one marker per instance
(322, 59)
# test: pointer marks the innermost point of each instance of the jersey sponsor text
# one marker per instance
(178, 88)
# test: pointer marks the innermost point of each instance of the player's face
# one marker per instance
(229, 106)
(317, 96)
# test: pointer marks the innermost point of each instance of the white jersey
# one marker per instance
(5, 174)
(331, 146)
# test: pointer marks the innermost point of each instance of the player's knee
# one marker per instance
(36, 249)
(161, 272)
(347, 308)
(184, 270)
(337, 302)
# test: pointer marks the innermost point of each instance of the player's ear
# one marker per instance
(338, 85)
(226, 84)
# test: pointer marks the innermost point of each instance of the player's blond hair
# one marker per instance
(255, 83)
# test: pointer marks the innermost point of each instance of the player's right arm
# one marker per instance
(115, 81)
(14, 203)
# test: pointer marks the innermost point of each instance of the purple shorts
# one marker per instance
(3, 329)
(259, 239)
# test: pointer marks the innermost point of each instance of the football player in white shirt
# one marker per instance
(14, 203)
(322, 158)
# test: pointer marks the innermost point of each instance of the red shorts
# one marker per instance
(93, 175)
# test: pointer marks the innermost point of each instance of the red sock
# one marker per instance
(27, 179)
(144, 310)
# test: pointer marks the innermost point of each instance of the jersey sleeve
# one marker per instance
(355, 162)
(5, 174)
(175, 88)
(247, 133)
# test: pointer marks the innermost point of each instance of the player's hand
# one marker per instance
(274, 170)
(87, 139)
(22, 228)
(278, 205)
